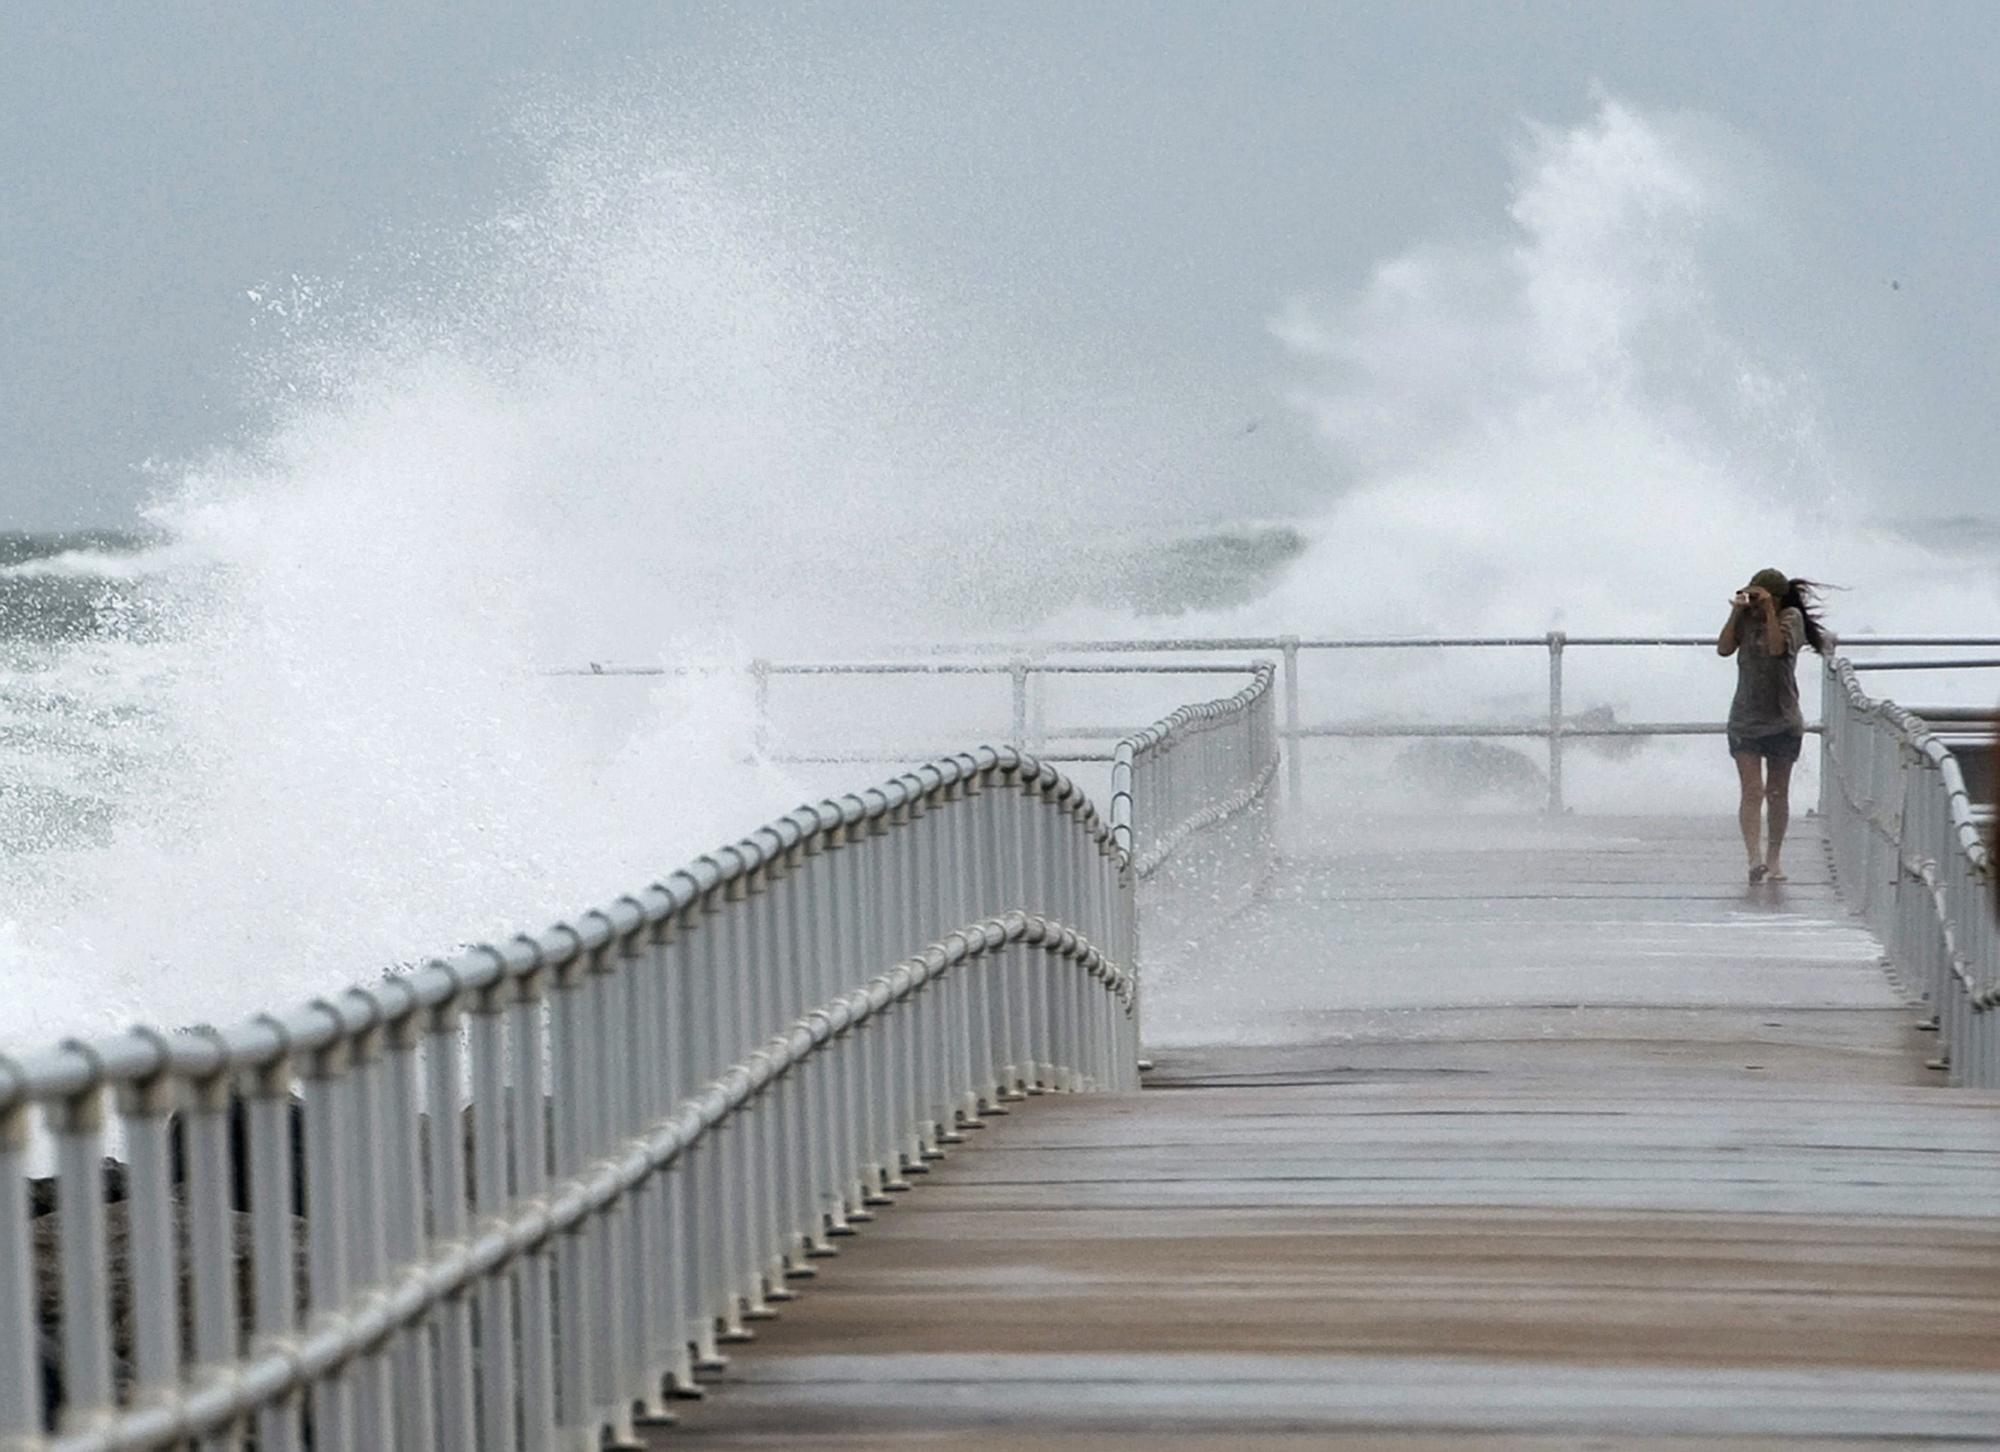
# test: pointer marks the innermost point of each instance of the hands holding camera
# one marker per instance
(1755, 595)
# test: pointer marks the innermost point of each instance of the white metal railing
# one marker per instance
(1910, 856)
(1201, 766)
(1029, 667)
(1193, 806)
(519, 1197)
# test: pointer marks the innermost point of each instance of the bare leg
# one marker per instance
(1778, 793)
(1750, 775)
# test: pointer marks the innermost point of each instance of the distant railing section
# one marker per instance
(520, 1197)
(1201, 766)
(1030, 666)
(1911, 856)
(1194, 806)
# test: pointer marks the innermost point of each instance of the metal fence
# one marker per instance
(1028, 680)
(1030, 669)
(1910, 856)
(520, 1197)
(1200, 767)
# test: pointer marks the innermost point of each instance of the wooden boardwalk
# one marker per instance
(1523, 1136)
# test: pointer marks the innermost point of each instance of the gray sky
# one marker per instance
(1134, 189)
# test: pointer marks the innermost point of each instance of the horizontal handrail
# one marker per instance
(888, 756)
(1035, 654)
(75, 1065)
(1983, 719)
(1028, 661)
(1026, 665)
(1170, 644)
(1053, 737)
(1530, 729)
(1250, 706)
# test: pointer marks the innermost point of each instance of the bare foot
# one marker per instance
(1774, 873)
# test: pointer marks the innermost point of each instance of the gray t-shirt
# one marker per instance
(1767, 677)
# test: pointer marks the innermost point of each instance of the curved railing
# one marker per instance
(1207, 771)
(1910, 857)
(1200, 766)
(519, 1197)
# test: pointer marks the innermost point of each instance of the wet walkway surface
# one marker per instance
(1598, 1149)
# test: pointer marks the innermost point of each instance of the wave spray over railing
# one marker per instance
(1912, 860)
(518, 1198)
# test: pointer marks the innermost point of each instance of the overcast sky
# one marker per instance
(1138, 187)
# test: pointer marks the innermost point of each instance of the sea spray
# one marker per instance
(644, 416)
(1557, 425)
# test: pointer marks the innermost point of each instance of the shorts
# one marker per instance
(1779, 746)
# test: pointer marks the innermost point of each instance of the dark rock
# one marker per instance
(42, 1192)
(1615, 748)
(47, 1231)
(239, 1153)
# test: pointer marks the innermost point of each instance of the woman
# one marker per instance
(1770, 621)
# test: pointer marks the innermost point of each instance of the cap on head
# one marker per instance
(1777, 582)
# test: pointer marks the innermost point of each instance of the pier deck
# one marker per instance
(1517, 1135)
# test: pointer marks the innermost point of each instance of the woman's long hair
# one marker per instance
(1804, 596)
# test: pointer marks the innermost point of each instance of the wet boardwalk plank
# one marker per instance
(1526, 1192)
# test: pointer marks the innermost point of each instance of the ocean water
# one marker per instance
(97, 625)
(298, 728)
(212, 798)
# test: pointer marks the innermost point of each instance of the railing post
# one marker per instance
(404, 1234)
(327, 1208)
(1293, 796)
(211, 1233)
(1557, 639)
(374, 1392)
(760, 690)
(77, 1122)
(20, 1362)
(493, 1303)
(1018, 670)
(274, 1141)
(443, 1070)
(153, 1260)
(1038, 709)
